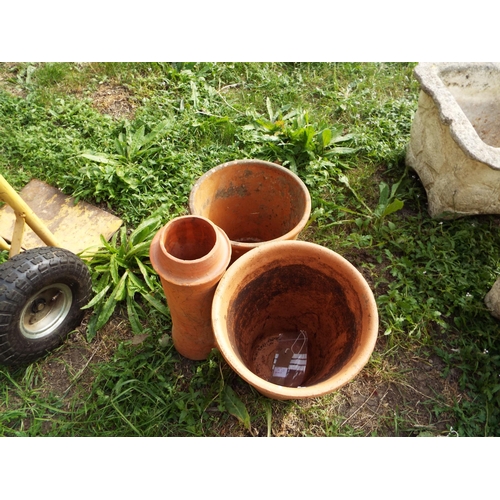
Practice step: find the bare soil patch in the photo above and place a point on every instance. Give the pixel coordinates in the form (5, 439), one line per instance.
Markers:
(114, 100)
(70, 366)
(8, 75)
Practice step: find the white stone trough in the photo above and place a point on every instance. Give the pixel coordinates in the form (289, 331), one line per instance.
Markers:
(455, 138)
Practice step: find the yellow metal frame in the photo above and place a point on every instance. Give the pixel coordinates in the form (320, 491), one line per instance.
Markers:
(24, 215)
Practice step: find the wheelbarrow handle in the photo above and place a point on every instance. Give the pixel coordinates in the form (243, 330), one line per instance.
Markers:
(24, 213)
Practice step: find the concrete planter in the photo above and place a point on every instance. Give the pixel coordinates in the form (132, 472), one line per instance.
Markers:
(455, 138)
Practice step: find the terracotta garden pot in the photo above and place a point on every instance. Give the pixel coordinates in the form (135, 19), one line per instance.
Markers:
(253, 201)
(190, 254)
(302, 291)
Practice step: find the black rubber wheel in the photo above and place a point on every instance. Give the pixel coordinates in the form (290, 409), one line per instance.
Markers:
(42, 292)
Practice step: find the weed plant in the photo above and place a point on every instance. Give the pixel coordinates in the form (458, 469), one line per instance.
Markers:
(343, 128)
(122, 272)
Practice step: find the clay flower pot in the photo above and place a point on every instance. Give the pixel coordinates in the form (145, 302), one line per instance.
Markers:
(253, 201)
(190, 254)
(295, 288)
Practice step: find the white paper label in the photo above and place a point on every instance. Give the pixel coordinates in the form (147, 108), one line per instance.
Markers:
(280, 371)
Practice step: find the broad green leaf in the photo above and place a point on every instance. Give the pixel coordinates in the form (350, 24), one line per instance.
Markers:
(121, 261)
(137, 141)
(384, 193)
(494, 389)
(298, 135)
(159, 306)
(120, 292)
(349, 211)
(91, 327)
(394, 188)
(99, 262)
(270, 126)
(113, 269)
(140, 250)
(270, 111)
(309, 138)
(106, 312)
(157, 131)
(326, 137)
(383, 199)
(131, 287)
(393, 207)
(106, 245)
(98, 158)
(271, 138)
(133, 317)
(359, 222)
(114, 239)
(97, 298)
(289, 115)
(340, 151)
(123, 247)
(146, 274)
(344, 180)
(147, 152)
(123, 235)
(119, 145)
(138, 284)
(123, 174)
(292, 164)
(235, 406)
(103, 281)
(342, 138)
(144, 230)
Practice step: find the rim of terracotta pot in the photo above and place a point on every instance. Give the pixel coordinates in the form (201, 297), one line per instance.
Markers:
(189, 272)
(249, 263)
(242, 247)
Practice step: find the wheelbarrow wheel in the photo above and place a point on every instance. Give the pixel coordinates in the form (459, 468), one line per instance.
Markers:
(42, 291)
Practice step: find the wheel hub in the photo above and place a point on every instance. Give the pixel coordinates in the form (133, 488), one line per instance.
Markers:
(38, 305)
(45, 311)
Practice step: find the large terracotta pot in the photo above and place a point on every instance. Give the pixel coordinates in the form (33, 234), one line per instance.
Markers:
(253, 201)
(295, 286)
(190, 254)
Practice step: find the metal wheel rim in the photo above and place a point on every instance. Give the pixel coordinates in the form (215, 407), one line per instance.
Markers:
(45, 311)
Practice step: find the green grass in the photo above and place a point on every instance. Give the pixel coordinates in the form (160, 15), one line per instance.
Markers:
(429, 276)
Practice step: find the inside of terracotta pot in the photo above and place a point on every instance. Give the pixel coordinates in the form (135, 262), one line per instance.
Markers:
(189, 238)
(288, 300)
(251, 202)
